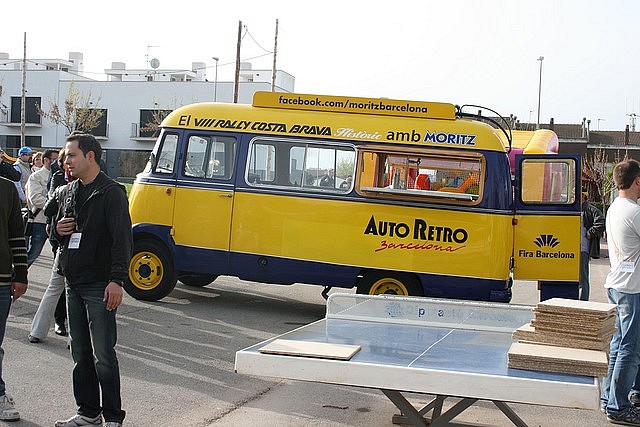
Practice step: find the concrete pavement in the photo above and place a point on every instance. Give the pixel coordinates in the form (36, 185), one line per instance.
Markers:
(177, 358)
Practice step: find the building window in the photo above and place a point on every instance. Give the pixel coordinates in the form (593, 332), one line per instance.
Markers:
(31, 110)
(150, 122)
(101, 128)
(11, 143)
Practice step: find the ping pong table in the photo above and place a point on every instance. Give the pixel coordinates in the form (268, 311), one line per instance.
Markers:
(438, 347)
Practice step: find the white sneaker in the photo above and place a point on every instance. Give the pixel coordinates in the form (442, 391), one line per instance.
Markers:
(80, 420)
(7, 409)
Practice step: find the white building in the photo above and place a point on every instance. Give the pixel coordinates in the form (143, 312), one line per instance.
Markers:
(128, 99)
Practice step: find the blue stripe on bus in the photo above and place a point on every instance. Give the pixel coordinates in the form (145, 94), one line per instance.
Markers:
(276, 270)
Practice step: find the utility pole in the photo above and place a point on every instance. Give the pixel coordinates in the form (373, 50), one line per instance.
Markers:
(235, 86)
(23, 99)
(275, 52)
(541, 58)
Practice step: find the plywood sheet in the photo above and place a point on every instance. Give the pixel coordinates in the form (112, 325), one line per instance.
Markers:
(558, 359)
(584, 329)
(570, 305)
(527, 333)
(311, 349)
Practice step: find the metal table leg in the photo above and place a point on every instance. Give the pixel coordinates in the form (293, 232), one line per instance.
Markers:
(410, 413)
(515, 419)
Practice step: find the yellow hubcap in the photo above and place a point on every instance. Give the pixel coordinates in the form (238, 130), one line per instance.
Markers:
(388, 285)
(145, 270)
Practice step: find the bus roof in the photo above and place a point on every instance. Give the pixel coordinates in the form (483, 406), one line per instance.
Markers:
(377, 120)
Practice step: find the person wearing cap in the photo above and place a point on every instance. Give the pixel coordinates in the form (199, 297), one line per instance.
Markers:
(593, 225)
(36, 191)
(23, 165)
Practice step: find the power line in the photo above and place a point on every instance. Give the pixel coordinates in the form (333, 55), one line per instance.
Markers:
(254, 40)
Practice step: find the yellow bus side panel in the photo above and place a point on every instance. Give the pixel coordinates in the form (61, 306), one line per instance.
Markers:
(547, 248)
(359, 234)
(151, 203)
(203, 218)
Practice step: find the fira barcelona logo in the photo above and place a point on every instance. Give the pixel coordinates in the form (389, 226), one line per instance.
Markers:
(546, 240)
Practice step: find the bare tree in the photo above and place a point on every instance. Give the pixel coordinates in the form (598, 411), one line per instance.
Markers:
(599, 171)
(79, 113)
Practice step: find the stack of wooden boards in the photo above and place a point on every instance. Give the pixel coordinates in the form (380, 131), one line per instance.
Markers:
(565, 336)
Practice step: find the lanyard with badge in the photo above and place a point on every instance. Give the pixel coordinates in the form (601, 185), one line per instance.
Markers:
(623, 266)
(70, 211)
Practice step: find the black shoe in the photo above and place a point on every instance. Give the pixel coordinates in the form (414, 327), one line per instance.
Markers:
(34, 340)
(634, 399)
(60, 329)
(629, 418)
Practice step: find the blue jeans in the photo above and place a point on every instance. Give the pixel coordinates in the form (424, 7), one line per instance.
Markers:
(584, 276)
(5, 305)
(36, 242)
(93, 336)
(624, 354)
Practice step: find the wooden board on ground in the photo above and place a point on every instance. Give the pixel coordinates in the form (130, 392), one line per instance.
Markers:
(311, 349)
(558, 359)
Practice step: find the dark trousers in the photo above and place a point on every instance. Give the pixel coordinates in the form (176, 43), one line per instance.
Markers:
(93, 334)
(61, 310)
(5, 305)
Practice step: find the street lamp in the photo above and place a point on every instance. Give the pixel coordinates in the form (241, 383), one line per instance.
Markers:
(215, 84)
(541, 58)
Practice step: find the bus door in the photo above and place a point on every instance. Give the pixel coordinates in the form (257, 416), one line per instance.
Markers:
(156, 185)
(204, 202)
(547, 219)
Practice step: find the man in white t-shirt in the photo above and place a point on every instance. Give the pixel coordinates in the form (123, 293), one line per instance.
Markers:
(623, 289)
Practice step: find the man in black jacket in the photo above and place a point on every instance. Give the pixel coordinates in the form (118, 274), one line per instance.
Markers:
(592, 228)
(93, 228)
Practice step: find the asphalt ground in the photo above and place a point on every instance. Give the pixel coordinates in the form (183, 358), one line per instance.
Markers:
(177, 362)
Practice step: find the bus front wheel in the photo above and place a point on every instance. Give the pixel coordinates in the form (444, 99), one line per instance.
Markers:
(151, 272)
(390, 283)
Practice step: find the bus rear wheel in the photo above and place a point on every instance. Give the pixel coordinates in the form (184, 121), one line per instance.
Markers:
(389, 283)
(151, 273)
(197, 280)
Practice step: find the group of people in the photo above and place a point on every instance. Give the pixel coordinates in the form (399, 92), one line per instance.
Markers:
(85, 215)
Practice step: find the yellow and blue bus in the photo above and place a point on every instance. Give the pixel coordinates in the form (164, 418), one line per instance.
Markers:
(387, 196)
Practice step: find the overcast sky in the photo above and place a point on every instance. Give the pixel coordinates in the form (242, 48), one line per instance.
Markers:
(462, 52)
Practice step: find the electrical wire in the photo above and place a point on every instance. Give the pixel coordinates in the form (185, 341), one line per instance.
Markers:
(254, 40)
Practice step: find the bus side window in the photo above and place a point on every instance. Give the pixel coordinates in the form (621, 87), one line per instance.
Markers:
(548, 181)
(301, 165)
(395, 174)
(165, 158)
(262, 164)
(209, 157)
